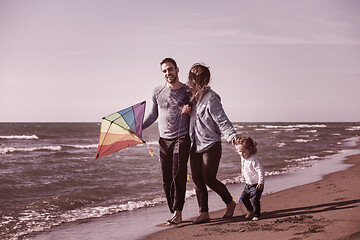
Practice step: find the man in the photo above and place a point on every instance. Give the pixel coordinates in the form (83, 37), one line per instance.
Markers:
(168, 101)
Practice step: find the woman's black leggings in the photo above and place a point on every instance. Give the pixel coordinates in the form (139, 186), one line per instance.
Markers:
(204, 168)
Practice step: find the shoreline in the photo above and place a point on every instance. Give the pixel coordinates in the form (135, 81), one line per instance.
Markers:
(315, 210)
(126, 225)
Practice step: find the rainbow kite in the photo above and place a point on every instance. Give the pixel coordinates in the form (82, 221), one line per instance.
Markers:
(121, 130)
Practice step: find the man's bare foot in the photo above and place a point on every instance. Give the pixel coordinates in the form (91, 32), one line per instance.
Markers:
(176, 219)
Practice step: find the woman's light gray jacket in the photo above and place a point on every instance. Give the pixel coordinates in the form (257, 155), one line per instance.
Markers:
(208, 120)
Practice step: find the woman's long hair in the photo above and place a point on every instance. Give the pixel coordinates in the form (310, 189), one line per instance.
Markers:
(199, 78)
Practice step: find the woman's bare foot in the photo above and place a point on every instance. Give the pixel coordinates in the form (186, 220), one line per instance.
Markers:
(203, 218)
(230, 208)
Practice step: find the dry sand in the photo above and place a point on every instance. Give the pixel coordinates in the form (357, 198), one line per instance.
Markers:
(326, 209)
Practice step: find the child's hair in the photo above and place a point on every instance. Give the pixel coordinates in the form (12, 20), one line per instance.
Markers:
(247, 142)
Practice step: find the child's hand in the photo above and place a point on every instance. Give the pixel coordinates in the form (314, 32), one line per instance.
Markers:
(260, 187)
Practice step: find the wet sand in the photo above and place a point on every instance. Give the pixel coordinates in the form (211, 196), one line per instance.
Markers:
(303, 204)
(325, 209)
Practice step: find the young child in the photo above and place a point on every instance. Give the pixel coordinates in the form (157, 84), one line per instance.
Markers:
(253, 172)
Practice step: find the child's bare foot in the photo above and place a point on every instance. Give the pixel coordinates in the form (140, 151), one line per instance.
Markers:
(250, 215)
(255, 219)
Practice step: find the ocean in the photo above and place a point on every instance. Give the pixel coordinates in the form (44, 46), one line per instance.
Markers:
(49, 175)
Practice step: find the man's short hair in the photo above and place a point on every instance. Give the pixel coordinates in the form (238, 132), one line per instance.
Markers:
(169, 60)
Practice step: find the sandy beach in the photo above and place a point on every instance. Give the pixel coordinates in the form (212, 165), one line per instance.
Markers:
(318, 202)
(325, 209)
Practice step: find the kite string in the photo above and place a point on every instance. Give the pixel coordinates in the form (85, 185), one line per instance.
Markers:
(151, 151)
(178, 161)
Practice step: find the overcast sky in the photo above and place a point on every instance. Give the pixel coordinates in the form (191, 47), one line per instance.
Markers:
(79, 60)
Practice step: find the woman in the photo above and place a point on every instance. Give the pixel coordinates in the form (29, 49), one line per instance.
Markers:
(208, 120)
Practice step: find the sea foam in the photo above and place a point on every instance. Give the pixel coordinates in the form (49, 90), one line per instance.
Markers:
(29, 149)
(25, 137)
(354, 128)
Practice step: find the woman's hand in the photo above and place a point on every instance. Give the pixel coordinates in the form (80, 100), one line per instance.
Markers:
(186, 109)
(233, 141)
